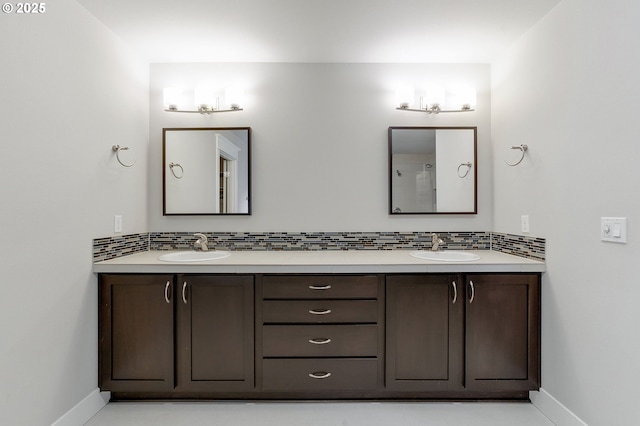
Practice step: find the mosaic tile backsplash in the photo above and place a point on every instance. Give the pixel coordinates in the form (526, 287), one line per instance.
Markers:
(320, 240)
(112, 247)
(529, 247)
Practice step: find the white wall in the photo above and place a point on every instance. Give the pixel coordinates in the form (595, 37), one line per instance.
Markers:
(319, 143)
(70, 91)
(569, 89)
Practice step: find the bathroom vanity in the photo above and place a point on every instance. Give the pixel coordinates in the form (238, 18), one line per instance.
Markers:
(319, 325)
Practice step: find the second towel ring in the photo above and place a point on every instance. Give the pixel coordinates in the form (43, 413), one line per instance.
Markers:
(468, 165)
(172, 165)
(522, 148)
(117, 149)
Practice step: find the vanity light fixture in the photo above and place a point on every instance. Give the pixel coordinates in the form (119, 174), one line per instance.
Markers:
(433, 100)
(205, 99)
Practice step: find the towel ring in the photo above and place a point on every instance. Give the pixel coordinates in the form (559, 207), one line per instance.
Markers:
(522, 148)
(172, 165)
(468, 165)
(117, 149)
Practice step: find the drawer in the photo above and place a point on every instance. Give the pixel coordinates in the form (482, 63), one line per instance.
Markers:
(320, 340)
(320, 311)
(319, 374)
(320, 287)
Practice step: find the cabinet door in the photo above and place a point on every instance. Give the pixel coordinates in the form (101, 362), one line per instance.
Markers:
(136, 332)
(503, 332)
(215, 333)
(424, 332)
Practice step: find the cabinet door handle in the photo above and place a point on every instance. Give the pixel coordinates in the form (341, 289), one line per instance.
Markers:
(455, 292)
(473, 291)
(166, 292)
(318, 341)
(319, 375)
(319, 312)
(319, 287)
(184, 291)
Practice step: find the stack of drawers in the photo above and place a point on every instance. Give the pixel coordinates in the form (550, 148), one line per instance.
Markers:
(320, 333)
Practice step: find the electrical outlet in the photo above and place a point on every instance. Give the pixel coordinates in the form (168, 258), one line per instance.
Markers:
(524, 221)
(117, 223)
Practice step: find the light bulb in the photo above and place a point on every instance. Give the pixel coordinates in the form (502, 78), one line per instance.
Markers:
(172, 97)
(204, 97)
(404, 96)
(434, 97)
(234, 97)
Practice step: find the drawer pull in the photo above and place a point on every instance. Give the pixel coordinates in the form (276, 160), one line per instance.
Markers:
(319, 311)
(319, 341)
(455, 292)
(473, 291)
(319, 287)
(184, 296)
(319, 375)
(166, 292)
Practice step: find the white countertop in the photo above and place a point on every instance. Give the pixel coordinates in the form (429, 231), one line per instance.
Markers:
(330, 261)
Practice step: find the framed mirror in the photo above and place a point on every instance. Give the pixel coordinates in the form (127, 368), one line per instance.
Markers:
(432, 170)
(206, 171)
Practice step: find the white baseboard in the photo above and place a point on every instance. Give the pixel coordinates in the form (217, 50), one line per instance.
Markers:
(84, 410)
(554, 409)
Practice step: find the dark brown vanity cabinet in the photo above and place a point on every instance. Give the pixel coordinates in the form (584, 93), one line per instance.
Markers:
(502, 332)
(425, 333)
(321, 333)
(324, 336)
(176, 333)
(136, 333)
(477, 333)
(214, 333)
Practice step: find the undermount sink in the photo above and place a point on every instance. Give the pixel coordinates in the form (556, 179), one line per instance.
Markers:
(445, 256)
(194, 256)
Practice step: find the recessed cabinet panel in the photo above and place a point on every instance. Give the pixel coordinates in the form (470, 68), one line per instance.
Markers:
(320, 340)
(424, 333)
(502, 332)
(215, 338)
(320, 311)
(320, 287)
(313, 375)
(136, 327)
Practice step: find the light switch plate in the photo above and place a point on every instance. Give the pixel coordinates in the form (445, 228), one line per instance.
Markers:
(613, 229)
(524, 221)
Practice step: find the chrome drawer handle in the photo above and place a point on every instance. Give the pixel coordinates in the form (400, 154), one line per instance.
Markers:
(455, 292)
(166, 292)
(319, 287)
(473, 291)
(319, 312)
(184, 296)
(319, 375)
(319, 341)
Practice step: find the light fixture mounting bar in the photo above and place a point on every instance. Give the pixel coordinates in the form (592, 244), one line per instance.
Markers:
(203, 111)
(429, 111)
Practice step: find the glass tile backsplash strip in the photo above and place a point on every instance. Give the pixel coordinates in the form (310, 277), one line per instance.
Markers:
(321, 240)
(519, 245)
(112, 247)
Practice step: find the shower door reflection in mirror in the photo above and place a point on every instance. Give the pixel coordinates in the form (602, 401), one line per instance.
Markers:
(432, 170)
(206, 171)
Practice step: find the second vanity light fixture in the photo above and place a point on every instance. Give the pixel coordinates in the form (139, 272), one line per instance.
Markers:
(205, 99)
(434, 99)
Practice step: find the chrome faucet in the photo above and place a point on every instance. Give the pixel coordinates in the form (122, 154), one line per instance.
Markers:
(201, 242)
(435, 242)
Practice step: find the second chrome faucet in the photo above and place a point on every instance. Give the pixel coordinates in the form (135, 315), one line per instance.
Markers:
(201, 242)
(435, 242)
